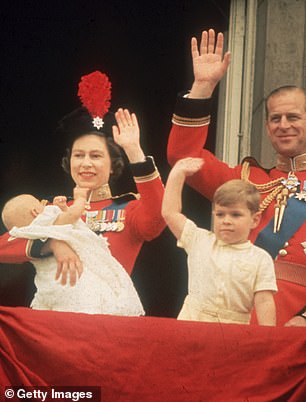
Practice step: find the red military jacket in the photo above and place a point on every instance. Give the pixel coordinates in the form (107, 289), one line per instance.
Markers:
(126, 221)
(187, 138)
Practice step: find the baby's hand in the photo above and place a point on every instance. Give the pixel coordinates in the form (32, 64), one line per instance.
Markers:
(61, 202)
(188, 166)
(79, 192)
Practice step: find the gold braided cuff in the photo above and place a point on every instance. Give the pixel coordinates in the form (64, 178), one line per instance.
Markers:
(28, 248)
(190, 121)
(148, 177)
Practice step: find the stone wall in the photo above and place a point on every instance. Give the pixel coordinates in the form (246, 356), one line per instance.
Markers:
(279, 60)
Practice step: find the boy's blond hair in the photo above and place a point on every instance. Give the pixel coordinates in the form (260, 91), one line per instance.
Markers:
(18, 211)
(236, 191)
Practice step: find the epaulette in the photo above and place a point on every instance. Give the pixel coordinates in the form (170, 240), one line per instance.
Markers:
(126, 197)
(119, 199)
(253, 162)
(273, 187)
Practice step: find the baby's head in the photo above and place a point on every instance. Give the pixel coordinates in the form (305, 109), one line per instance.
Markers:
(20, 211)
(235, 211)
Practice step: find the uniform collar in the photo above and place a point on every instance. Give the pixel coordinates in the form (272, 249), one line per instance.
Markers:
(295, 164)
(102, 193)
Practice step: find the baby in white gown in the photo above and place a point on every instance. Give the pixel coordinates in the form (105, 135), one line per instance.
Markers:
(103, 288)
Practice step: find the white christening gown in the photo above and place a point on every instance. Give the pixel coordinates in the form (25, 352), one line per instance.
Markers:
(103, 288)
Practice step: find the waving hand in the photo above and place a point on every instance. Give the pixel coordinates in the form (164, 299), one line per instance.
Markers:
(208, 65)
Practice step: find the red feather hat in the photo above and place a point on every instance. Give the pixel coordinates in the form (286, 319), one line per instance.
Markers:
(95, 94)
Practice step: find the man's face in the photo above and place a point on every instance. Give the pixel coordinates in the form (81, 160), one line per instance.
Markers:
(286, 123)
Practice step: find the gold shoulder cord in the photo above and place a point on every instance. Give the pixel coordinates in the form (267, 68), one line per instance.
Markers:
(279, 190)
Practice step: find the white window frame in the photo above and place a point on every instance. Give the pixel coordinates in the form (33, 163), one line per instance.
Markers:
(236, 90)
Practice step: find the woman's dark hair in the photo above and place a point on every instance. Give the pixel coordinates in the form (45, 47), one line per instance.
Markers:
(79, 123)
(114, 153)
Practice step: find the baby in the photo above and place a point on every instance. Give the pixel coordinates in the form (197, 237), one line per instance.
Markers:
(104, 287)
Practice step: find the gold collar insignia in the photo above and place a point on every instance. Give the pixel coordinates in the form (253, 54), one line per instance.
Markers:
(295, 164)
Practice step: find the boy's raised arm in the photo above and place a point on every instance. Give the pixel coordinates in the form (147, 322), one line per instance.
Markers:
(172, 202)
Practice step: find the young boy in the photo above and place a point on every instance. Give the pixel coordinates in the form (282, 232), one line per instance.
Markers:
(227, 274)
(104, 287)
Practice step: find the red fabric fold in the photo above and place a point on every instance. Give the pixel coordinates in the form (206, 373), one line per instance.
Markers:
(150, 358)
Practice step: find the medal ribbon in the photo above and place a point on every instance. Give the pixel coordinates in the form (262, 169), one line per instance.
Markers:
(108, 218)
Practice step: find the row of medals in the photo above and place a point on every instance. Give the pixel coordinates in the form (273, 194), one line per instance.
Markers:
(105, 220)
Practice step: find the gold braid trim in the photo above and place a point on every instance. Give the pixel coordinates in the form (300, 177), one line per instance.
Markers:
(148, 177)
(28, 248)
(263, 188)
(190, 121)
(270, 197)
(245, 171)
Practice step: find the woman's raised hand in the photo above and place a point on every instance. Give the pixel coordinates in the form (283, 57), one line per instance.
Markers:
(127, 135)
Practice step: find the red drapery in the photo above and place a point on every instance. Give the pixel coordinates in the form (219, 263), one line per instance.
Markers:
(150, 358)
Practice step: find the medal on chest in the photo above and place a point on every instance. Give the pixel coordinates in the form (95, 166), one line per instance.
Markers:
(279, 190)
(106, 220)
(301, 196)
(290, 186)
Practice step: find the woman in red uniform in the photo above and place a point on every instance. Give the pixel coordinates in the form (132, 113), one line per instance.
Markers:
(93, 159)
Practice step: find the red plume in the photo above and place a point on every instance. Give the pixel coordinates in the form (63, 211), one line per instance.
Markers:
(95, 93)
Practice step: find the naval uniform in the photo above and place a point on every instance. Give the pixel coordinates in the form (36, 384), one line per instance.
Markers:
(126, 221)
(188, 136)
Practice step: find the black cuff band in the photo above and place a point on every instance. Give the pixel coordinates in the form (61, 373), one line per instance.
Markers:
(37, 245)
(192, 108)
(143, 168)
(35, 252)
